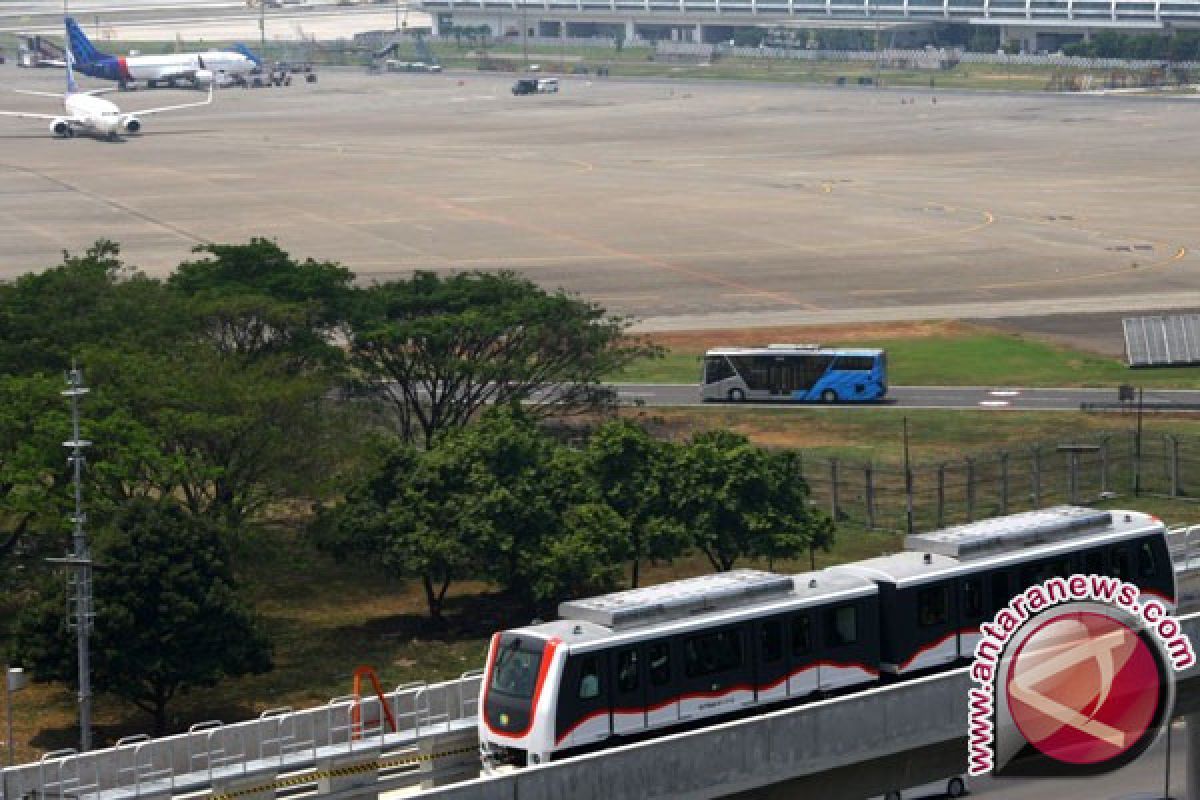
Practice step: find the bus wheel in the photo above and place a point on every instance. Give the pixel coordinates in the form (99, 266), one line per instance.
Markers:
(829, 396)
(955, 787)
(736, 395)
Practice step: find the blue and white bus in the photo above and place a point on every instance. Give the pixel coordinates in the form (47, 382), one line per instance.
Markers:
(805, 373)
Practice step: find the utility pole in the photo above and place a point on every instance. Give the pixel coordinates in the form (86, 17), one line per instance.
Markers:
(80, 615)
(524, 36)
(262, 29)
(908, 485)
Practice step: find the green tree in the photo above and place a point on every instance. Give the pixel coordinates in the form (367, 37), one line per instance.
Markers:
(635, 474)
(167, 614)
(498, 501)
(49, 317)
(741, 501)
(440, 349)
(32, 424)
(255, 300)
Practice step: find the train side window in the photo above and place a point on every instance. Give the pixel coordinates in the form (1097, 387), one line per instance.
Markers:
(972, 598)
(627, 670)
(933, 606)
(801, 635)
(1146, 565)
(1000, 590)
(712, 653)
(1122, 566)
(589, 678)
(771, 641)
(1093, 562)
(1059, 568)
(842, 626)
(659, 655)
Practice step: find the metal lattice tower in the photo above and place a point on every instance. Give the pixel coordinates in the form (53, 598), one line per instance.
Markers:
(80, 611)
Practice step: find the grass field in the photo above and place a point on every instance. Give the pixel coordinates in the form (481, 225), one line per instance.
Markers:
(953, 354)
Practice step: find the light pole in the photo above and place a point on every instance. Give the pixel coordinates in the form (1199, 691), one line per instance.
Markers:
(524, 36)
(15, 680)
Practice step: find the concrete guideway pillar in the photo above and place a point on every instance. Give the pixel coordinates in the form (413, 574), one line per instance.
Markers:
(346, 772)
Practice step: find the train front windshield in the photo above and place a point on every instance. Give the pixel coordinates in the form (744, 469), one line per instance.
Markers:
(512, 683)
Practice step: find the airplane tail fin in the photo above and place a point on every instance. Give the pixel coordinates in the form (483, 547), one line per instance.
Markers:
(72, 87)
(80, 45)
(248, 53)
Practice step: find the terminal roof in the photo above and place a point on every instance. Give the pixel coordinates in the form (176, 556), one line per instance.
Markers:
(1014, 532)
(678, 599)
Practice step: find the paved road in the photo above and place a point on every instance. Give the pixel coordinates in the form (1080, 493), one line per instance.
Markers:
(677, 394)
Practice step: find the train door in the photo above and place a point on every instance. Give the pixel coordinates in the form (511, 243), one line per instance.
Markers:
(629, 690)
(1155, 573)
(851, 648)
(771, 665)
(934, 625)
(662, 684)
(802, 636)
(972, 611)
(718, 673)
(583, 705)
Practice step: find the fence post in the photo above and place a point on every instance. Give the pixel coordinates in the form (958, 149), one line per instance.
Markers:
(1073, 477)
(834, 511)
(1035, 475)
(869, 491)
(970, 489)
(941, 496)
(1104, 467)
(1174, 463)
(1003, 482)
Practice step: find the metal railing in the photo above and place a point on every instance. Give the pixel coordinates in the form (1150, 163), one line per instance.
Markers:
(279, 739)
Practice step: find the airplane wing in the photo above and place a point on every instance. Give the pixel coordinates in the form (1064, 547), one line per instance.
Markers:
(146, 111)
(25, 115)
(55, 95)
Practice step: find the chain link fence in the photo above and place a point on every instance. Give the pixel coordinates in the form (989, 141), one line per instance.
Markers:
(1082, 470)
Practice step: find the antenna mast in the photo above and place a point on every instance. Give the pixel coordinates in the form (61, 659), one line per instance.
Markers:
(80, 614)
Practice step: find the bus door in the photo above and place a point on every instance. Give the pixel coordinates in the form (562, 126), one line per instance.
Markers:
(629, 690)
(662, 684)
(782, 376)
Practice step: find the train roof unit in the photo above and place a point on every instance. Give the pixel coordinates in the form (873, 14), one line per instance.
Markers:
(678, 599)
(991, 537)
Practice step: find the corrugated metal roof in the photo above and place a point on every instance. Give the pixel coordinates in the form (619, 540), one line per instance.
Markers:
(1163, 341)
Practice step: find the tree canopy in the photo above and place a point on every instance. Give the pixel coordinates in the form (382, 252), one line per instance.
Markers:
(439, 349)
(167, 615)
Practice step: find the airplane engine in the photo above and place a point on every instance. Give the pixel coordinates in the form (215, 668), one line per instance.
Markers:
(131, 124)
(60, 127)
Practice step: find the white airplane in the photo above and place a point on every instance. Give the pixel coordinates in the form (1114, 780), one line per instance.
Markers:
(86, 112)
(170, 68)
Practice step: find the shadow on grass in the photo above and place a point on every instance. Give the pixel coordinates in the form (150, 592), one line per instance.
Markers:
(464, 617)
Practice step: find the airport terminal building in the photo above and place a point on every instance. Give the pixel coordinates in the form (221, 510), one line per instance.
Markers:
(1034, 25)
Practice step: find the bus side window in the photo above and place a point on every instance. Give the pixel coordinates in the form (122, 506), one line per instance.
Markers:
(1093, 562)
(771, 641)
(1122, 566)
(1001, 592)
(1146, 565)
(801, 635)
(659, 655)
